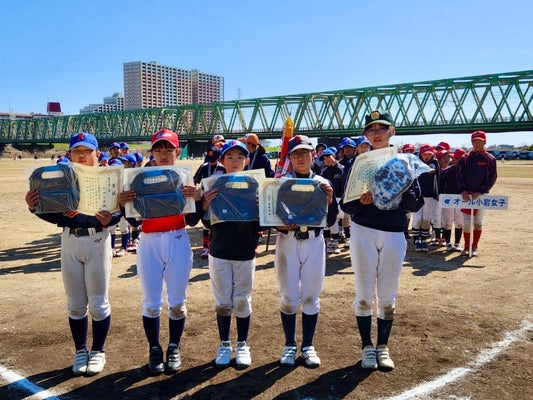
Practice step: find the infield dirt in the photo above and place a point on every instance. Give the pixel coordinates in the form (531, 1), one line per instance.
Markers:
(449, 309)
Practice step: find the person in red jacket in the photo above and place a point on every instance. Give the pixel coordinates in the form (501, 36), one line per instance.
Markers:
(476, 175)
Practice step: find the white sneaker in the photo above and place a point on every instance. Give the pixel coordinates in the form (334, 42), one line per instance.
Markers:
(80, 362)
(96, 363)
(384, 361)
(288, 356)
(242, 355)
(368, 358)
(121, 252)
(223, 354)
(311, 358)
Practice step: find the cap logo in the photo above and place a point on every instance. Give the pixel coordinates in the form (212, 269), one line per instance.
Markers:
(374, 115)
(163, 134)
(81, 137)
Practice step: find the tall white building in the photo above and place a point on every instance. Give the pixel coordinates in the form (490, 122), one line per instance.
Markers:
(115, 102)
(152, 85)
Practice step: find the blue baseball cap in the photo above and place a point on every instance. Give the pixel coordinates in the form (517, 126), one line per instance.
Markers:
(124, 145)
(328, 152)
(103, 156)
(114, 144)
(138, 157)
(361, 140)
(115, 161)
(234, 144)
(83, 139)
(128, 158)
(62, 160)
(333, 149)
(347, 142)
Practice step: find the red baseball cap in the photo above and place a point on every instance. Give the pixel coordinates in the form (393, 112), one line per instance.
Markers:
(479, 135)
(458, 153)
(168, 135)
(441, 153)
(443, 145)
(426, 148)
(408, 146)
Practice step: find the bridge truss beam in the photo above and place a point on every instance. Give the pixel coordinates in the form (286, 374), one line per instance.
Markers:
(496, 102)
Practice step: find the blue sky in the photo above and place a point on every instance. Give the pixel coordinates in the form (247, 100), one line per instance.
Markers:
(72, 52)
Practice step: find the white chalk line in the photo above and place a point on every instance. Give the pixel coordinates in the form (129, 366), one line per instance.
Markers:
(484, 357)
(20, 382)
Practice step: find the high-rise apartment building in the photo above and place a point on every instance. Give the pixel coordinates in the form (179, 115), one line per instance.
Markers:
(151, 85)
(115, 102)
(206, 88)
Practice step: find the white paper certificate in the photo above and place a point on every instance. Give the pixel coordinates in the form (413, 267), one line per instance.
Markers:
(99, 188)
(364, 170)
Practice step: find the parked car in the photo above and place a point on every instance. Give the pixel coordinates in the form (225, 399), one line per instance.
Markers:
(511, 155)
(525, 155)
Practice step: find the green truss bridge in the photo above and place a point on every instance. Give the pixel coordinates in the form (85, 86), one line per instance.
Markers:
(494, 103)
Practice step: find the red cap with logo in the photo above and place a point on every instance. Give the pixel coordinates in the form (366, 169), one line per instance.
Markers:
(458, 153)
(441, 153)
(408, 147)
(426, 148)
(443, 145)
(479, 135)
(168, 135)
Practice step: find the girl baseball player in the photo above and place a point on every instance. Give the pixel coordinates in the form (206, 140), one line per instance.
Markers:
(164, 254)
(451, 216)
(429, 182)
(377, 251)
(85, 265)
(476, 176)
(232, 267)
(300, 264)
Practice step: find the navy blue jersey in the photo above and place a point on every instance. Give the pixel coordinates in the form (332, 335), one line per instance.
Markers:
(206, 170)
(233, 240)
(334, 175)
(477, 172)
(448, 181)
(386, 220)
(317, 166)
(260, 160)
(73, 219)
(429, 181)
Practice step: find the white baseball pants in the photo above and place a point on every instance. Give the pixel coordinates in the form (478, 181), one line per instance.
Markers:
(300, 268)
(164, 257)
(377, 258)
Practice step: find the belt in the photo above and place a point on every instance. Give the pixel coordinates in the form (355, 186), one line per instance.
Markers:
(83, 231)
(299, 235)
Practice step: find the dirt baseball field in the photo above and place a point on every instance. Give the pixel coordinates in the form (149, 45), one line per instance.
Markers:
(463, 328)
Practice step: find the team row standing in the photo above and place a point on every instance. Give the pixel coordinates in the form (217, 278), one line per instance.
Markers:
(471, 175)
(164, 257)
